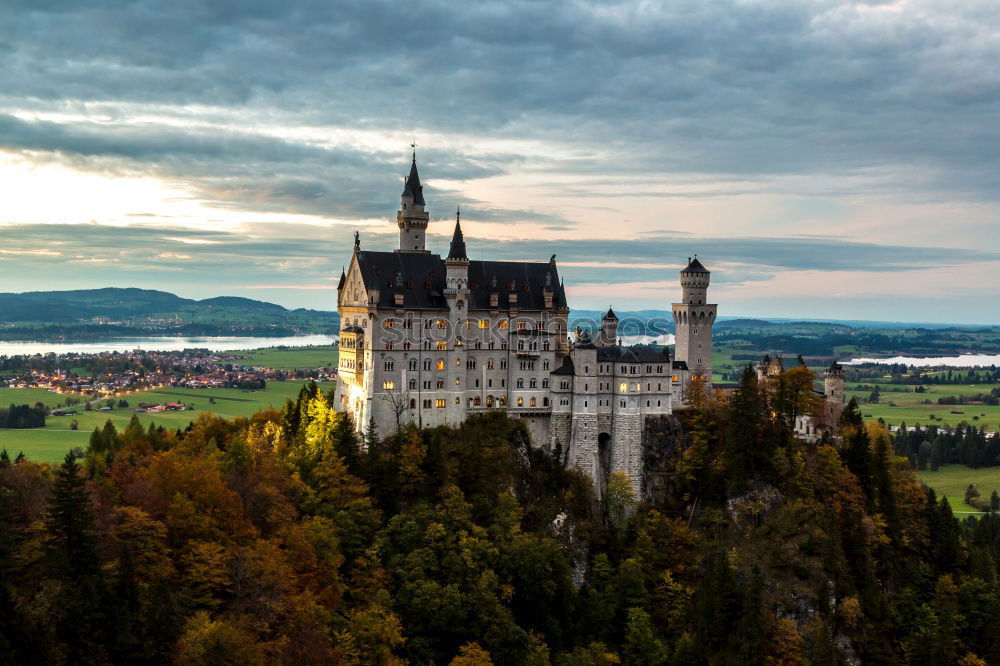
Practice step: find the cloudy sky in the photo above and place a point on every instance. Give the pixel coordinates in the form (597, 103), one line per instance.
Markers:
(825, 159)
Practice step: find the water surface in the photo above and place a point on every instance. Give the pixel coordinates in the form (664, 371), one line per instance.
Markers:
(164, 343)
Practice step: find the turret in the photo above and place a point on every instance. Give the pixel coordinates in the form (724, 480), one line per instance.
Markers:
(457, 263)
(833, 383)
(609, 329)
(411, 218)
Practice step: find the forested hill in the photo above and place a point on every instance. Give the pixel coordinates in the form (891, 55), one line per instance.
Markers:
(287, 539)
(113, 311)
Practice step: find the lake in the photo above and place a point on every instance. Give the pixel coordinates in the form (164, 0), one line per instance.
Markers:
(165, 343)
(963, 361)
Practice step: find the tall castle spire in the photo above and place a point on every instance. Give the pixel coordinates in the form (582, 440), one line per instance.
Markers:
(411, 218)
(457, 249)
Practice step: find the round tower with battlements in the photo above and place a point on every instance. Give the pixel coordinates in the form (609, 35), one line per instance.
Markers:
(833, 383)
(694, 317)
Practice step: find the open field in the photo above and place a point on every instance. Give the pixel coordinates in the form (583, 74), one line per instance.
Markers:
(952, 480)
(53, 441)
(908, 405)
(293, 358)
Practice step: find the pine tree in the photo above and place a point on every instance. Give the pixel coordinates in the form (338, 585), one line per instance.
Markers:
(71, 555)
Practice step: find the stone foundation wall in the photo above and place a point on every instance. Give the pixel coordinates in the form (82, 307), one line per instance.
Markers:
(561, 432)
(538, 428)
(626, 452)
(583, 446)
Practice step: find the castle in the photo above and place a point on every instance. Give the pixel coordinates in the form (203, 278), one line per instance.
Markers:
(431, 340)
(811, 428)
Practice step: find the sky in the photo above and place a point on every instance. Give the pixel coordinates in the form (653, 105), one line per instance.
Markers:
(824, 159)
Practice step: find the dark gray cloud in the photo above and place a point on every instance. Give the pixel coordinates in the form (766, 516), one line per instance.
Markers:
(687, 86)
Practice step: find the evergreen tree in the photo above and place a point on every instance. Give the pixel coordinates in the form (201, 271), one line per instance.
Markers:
(71, 556)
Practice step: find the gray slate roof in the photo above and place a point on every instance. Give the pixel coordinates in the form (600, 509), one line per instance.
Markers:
(413, 187)
(423, 279)
(694, 266)
(637, 354)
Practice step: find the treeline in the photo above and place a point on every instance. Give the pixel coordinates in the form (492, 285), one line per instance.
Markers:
(902, 374)
(930, 447)
(287, 538)
(23, 416)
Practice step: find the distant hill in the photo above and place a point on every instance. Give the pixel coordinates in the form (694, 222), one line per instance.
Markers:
(131, 311)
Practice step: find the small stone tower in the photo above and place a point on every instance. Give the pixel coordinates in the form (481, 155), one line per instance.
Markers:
(694, 317)
(411, 217)
(609, 330)
(833, 383)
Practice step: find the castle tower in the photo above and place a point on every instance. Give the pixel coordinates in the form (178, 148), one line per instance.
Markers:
(412, 218)
(694, 317)
(609, 330)
(457, 263)
(833, 383)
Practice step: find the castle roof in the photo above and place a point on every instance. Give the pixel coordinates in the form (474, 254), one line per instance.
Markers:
(694, 266)
(611, 315)
(567, 367)
(413, 188)
(636, 354)
(457, 249)
(343, 279)
(423, 277)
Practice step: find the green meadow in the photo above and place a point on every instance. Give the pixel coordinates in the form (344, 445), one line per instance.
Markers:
(292, 358)
(952, 480)
(908, 407)
(53, 441)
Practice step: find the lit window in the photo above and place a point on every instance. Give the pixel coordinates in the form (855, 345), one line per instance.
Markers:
(533, 402)
(441, 323)
(522, 325)
(623, 387)
(440, 364)
(439, 402)
(389, 323)
(503, 400)
(502, 324)
(484, 323)
(520, 402)
(441, 345)
(388, 386)
(675, 378)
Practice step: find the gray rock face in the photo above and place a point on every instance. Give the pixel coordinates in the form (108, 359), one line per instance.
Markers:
(663, 439)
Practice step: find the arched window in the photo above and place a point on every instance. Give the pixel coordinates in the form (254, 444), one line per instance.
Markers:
(413, 364)
(503, 400)
(440, 364)
(413, 403)
(520, 382)
(476, 401)
(489, 401)
(533, 383)
(545, 402)
(520, 402)
(427, 364)
(533, 402)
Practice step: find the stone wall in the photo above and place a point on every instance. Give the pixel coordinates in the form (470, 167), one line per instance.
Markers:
(560, 432)
(583, 446)
(626, 453)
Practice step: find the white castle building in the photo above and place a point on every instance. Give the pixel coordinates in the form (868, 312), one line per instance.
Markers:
(431, 340)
